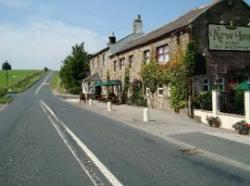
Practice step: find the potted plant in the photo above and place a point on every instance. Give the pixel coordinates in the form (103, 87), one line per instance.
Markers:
(214, 121)
(242, 127)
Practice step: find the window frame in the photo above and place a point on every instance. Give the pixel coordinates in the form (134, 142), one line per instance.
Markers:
(130, 61)
(160, 89)
(206, 84)
(221, 84)
(146, 56)
(115, 65)
(103, 59)
(165, 52)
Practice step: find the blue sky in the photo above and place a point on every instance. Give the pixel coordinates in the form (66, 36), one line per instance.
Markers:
(35, 34)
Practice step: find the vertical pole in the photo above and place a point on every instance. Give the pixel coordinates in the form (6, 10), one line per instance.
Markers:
(109, 106)
(90, 102)
(215, 102)
(247, 106)
(7, 78)
(145, 115)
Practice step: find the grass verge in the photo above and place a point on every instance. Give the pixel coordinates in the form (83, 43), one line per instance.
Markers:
(20, 86)
(56, 85)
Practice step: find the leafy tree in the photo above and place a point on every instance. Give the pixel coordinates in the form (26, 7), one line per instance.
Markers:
(6, 67)
(151, 76)
(75, 68)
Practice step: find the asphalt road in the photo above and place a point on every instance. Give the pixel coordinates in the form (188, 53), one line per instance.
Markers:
(55, 143)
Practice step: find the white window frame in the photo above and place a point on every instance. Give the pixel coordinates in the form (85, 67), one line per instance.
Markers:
(146, 56)
(160, 88)
(163, 54)
(221, 83)
(205, 84)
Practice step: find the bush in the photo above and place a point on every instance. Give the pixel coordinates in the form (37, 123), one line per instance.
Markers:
(138, 100)
(242, 127)
(204, 101)
(214, 122)
(137, 97)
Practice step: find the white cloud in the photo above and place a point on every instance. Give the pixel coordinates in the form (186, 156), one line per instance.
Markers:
(44, 43)
(16, 3)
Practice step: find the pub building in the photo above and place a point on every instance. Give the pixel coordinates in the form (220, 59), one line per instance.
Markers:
(221, 30)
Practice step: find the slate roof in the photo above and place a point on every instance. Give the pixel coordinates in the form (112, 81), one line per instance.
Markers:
(181, 22)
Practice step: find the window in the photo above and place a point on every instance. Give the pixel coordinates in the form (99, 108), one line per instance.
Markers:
(206, 86)
(115, 63)
(98, 62)
(221, 84)
(163, 54)
(121, 63)
(103, 59)
(130, 61)
(146, 56)
(160, 90)
(178, 41)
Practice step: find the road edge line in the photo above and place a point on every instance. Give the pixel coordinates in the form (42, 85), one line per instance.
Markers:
(102, 168)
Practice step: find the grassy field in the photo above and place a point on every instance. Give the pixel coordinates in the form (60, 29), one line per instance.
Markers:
(55, 84)
(19, 81)
(14, 76)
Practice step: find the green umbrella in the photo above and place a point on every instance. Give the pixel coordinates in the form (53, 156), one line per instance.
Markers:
(107, 83)
(242, 86)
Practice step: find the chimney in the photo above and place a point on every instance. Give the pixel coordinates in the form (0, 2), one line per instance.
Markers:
(138, 25)
(112, 39)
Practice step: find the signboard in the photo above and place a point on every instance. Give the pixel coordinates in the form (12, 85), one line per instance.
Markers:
(222, 37)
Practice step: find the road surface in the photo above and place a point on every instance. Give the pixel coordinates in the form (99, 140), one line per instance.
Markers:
(46, 141)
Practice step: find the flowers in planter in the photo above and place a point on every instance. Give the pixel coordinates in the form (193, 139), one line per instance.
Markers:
(214, 121)
(242, 127)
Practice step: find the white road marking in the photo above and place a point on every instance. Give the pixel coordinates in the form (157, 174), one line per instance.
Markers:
(69, 147)
(43, 83)
(102, 168)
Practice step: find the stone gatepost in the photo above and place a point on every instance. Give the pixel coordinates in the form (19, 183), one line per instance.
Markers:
(215, 102)
(247, 106)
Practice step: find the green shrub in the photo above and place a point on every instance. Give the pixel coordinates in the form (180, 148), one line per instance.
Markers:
(204, 101)
(137, 97)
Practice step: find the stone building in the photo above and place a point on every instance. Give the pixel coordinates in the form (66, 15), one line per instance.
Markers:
(221, 30)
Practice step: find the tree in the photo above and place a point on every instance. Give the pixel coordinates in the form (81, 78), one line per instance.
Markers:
(75, 68)
(151, 77)
(6, 67)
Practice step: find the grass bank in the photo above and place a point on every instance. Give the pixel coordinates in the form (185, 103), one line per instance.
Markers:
(56, 85)
(28, 79)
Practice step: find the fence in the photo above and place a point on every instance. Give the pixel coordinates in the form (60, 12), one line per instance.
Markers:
(232, 102)
(227, 109)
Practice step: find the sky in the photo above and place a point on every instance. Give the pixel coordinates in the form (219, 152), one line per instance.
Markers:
(39, 33)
